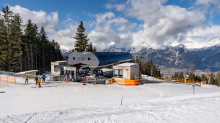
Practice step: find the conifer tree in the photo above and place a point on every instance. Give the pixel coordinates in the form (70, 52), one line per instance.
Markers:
(217, 77)
(18, 50)
(90, 48)
(3, 46)
(7, 15)
(94, 49)
(16, 42)
(151, 68)
(204, 78)
(147, 68)
(36, 45)
(28, 42)
(81, 39)
(43, 41)
(181, 76)
(212, 80)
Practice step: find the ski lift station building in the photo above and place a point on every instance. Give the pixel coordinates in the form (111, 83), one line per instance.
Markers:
(95, 60)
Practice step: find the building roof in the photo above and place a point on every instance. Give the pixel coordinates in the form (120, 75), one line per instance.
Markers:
(112, 57)
(127, 64)
(61, 61)
(25, 72)
(97, 59)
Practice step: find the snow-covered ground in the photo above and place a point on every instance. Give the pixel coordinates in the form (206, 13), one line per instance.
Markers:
(71, 102)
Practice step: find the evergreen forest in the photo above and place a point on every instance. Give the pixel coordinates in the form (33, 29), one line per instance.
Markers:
(25, 47)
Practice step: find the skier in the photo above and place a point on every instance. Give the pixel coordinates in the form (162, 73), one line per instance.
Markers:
(66, 78)
(39, 81)
(36, 79)
(43, 77)
(26, 78)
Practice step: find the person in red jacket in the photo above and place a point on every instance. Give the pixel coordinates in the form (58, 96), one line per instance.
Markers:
(85, 80)
(66, 78)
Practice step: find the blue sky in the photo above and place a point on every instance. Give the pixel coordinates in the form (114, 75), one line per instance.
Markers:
(126, 23)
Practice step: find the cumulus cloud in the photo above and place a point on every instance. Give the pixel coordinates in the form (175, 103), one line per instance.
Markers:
(118, 7)
(165, 24)
(160, 25)
(101, 18)
(41, 18)
(65, 37)
(104, 35)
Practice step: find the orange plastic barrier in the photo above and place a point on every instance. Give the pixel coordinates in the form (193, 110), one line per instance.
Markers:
(11, 80)
(4, 78)
(0, 78)
(129, 82)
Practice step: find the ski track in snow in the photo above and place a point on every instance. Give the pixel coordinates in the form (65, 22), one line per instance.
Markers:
(70, 102)
(188, 110)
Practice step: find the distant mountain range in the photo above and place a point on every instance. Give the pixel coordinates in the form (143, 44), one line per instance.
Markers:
(179, 57)
(176, 57)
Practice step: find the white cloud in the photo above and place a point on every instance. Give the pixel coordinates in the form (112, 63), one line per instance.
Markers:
(211, 7)
(41, 18)
(118, 7)
(194, 43)
(101, 18)
(162, 24)
(104, 35)
(205, 31)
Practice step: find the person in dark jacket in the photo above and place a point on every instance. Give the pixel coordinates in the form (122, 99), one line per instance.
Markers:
(36, 79)
(43, 77)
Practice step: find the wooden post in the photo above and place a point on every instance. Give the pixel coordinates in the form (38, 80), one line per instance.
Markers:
(121, 100)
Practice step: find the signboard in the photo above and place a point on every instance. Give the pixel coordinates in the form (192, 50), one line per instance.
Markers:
(70, 68)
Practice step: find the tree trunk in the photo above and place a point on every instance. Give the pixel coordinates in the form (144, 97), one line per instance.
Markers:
(31, 59)
(43, 60)
(36, 59)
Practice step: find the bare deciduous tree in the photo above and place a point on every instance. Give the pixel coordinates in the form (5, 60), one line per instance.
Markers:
(192, 68)
(207, 73)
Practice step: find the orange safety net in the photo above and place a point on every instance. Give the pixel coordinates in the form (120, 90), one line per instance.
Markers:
(11, 80)
(4, 78)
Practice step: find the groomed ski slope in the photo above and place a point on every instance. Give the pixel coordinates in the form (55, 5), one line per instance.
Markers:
(73, 102)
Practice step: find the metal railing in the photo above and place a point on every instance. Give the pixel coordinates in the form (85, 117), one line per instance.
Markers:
(7, 73)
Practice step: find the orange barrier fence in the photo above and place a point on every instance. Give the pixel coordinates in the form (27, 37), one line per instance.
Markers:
(126, 82)
(11, 80)
(4, 78)
(109, 82)
(7, 79)
(129, 82)
(137, 80)
(173, 80)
